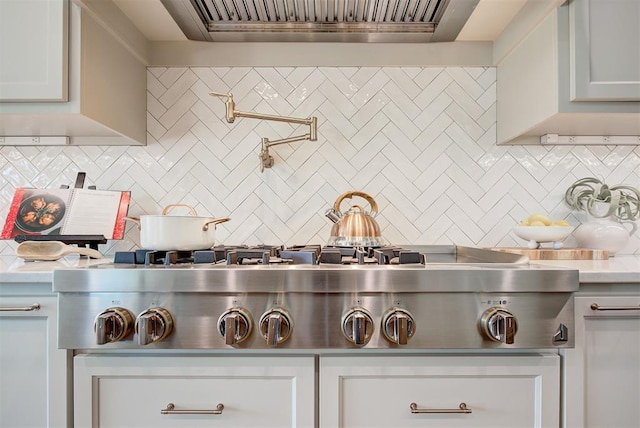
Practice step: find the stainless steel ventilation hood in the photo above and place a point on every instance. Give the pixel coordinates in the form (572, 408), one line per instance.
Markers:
(396, 21)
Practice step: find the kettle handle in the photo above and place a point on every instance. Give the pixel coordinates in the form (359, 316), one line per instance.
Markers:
(350, 194)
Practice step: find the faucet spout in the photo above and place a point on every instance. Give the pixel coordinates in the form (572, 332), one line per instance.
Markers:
(266, 160)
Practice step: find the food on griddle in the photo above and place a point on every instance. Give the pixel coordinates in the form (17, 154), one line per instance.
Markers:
(30, 217)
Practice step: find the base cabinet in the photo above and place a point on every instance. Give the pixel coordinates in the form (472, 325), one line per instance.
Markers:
(602, 372)
(354, 391)
(33, 372)
(137, 391)
(500, 391)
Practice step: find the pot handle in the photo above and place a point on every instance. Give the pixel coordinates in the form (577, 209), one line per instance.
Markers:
(136, 220)
(350, 194)
(214, 221)
(169, 207)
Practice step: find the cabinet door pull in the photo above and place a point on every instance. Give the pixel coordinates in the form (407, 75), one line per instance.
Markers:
(171, 410)
(462, 408)
(596, 307)
(34, 307)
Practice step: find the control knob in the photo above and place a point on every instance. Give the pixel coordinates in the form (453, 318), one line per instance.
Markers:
(276, 326)
(153, 325)
(113, 325)
(235, 325)
(499, 325)
(398, 326)
(357, 326)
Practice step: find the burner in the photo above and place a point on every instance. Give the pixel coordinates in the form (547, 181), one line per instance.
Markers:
(394, 255)
(153, 257)
(370, 255)
(302, 254)
(260, 254)
(161, 257)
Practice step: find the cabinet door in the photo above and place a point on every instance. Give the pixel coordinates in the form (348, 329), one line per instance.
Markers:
(33, 48)
(603, 370)
(112, 391)
(33, 372)
(510, 391)
(605, 50)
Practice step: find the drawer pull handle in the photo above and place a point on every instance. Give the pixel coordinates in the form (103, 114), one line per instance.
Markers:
(34, 307)
(171, 410)
(596, 307)
(462, 408)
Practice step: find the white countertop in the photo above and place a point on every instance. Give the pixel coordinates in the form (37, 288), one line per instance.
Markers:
(619, 269)
(15, 270)
(616, 269)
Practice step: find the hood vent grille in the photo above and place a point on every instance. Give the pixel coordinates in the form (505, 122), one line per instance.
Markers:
(320, 20)
(321, 12)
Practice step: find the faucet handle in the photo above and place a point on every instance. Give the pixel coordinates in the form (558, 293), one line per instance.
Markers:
(231, 105)
(221, 95)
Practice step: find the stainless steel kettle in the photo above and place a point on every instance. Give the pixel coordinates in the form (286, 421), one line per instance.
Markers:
(354, 227)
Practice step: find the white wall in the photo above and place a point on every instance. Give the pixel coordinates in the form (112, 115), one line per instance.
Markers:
(422, 141)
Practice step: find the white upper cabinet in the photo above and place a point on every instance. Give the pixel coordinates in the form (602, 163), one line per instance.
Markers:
(575, 74)
(33, 50)
(605, 50)
(106, 67)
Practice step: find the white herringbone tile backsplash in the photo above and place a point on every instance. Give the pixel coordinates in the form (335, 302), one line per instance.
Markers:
(422, 141)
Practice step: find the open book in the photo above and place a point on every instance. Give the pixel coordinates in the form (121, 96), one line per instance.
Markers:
(67, 212)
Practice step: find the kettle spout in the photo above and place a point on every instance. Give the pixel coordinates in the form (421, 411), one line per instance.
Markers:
(333, 215)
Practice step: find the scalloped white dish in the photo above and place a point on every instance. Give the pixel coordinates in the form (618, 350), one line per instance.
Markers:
(537, 234)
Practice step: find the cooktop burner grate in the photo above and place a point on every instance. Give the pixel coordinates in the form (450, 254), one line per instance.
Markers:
(274, 254)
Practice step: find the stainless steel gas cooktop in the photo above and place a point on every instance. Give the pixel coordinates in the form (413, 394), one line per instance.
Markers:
(318, 298)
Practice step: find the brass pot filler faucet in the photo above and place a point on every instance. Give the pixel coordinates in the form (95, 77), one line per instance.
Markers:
(266, 160)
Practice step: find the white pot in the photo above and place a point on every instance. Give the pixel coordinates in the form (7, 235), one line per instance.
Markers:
(602, 234)
(172, 232)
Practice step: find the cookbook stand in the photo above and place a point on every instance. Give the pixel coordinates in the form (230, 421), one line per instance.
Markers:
(80, 240)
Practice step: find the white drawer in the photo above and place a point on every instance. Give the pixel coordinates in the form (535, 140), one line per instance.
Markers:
(254, 391)
(511, 391)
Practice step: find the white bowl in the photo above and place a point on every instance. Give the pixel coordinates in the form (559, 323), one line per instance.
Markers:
(537, 234)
